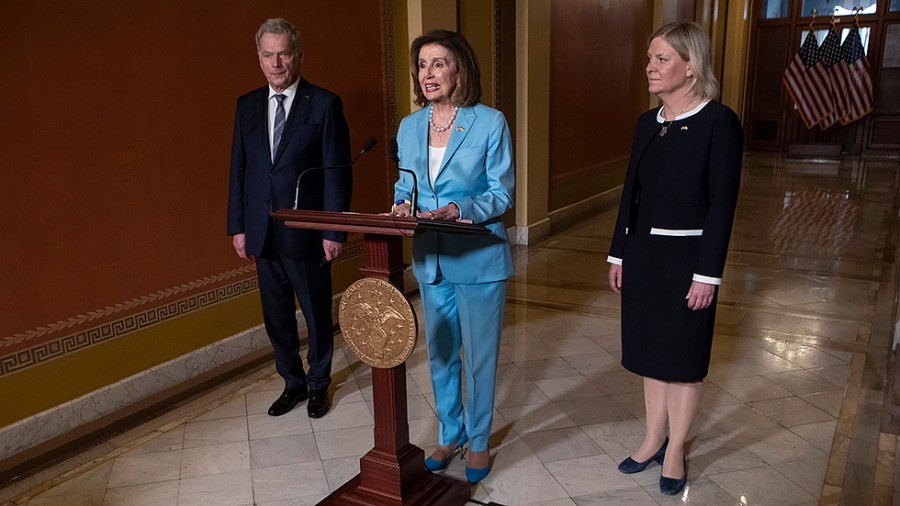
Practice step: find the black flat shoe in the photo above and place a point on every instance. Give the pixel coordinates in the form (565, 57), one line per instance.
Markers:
(287, 401)
(631, 466)
(318, 403)
(671, 486)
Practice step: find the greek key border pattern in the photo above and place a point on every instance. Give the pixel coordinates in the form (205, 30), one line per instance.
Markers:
(123, 306)
(64, 345)
(354, 247)
(389, 88)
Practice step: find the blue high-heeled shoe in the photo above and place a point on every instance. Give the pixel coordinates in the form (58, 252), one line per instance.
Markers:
(671, 486)
(476, 474)
(432, 465)
(631, 466)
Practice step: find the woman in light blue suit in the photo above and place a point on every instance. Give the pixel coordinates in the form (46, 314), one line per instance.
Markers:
(461, 155)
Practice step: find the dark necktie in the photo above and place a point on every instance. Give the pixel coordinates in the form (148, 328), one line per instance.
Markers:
(279, 124)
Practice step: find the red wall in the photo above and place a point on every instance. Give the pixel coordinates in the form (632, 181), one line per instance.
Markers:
(597, 83)
(115, 127)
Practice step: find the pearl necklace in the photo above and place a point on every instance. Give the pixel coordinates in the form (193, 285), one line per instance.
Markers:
(665, 127)
(445, 127)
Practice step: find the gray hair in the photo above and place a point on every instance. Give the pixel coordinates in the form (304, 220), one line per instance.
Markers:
(278, 26)
(690, 41)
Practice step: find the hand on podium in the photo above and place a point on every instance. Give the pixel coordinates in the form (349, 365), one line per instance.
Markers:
(402, 210)
(450, 212)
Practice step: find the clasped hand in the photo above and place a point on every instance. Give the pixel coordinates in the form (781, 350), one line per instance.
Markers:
(447, 213)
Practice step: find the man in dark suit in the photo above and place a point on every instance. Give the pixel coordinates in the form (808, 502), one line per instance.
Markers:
(287, 130)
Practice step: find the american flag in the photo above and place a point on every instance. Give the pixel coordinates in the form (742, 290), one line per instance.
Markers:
(859, 94)
(830, 54)
(807, 83)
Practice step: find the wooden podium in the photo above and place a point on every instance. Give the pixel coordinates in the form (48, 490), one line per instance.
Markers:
(393, 472)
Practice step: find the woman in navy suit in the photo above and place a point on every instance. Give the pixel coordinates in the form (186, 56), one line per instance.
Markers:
(670, 242)
(461, 155)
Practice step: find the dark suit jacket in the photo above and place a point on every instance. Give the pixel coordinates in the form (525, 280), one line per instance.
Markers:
(315, 135)
(698, 183)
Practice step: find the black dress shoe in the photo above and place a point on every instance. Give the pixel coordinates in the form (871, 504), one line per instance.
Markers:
(287, 401)
(631, 466)
(318, 403)
(671, 486)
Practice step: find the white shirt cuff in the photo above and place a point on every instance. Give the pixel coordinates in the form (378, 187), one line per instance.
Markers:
(708, 280)
(614, 260)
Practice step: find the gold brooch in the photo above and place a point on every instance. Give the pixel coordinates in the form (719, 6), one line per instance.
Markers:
(459, 129)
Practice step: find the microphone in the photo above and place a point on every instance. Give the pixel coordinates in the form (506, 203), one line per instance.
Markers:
(414, 197)
(366, 147)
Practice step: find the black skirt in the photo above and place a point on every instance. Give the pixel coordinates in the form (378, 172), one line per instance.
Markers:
(661, 337)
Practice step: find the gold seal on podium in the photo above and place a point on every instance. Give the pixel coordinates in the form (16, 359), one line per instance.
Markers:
(377, 323)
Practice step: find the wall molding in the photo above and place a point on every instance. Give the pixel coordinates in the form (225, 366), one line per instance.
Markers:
(15, 357)
(574, 213)
(566, 216)
(526, 235)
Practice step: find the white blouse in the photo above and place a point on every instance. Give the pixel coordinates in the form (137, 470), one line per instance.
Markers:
(435, 158)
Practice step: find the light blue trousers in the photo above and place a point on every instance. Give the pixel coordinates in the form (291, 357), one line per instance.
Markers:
(471, 317)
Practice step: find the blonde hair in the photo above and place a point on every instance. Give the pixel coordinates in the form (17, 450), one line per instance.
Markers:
(690, 41)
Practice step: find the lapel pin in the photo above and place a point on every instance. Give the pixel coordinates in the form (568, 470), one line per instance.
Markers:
(684, 128)
(459, 129)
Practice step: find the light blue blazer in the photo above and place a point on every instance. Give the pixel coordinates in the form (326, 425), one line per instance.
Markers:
(478, 175)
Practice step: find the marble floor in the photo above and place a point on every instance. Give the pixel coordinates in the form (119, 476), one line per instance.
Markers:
(795, 410)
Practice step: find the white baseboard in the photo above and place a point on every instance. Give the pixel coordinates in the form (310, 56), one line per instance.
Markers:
(563, 217)
(65, 418)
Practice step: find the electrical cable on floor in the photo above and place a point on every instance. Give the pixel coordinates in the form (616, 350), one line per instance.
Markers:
(476, 501)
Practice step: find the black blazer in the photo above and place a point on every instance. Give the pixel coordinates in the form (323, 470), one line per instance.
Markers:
(315, 135)
(698, 184)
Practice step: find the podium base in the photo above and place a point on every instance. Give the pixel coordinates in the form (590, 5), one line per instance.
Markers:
(431, 490)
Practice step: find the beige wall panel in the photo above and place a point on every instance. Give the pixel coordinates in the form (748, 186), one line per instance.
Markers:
(476, 24)
(533, 110)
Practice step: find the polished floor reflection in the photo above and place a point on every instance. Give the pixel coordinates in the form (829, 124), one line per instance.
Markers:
(795, 410)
